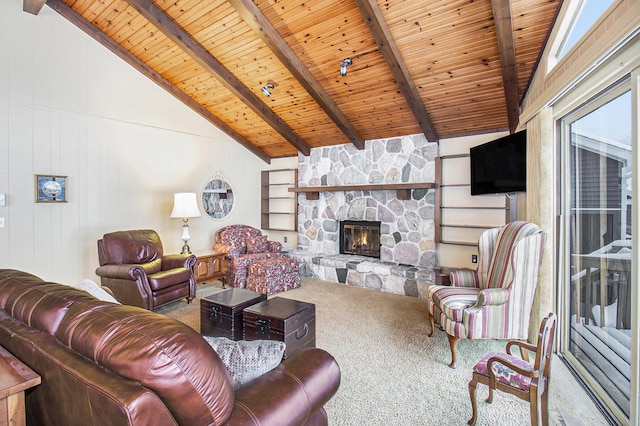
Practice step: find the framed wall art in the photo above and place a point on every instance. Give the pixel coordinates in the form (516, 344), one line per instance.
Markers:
(51, 189)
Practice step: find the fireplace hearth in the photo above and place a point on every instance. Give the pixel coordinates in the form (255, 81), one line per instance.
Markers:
(360, 237)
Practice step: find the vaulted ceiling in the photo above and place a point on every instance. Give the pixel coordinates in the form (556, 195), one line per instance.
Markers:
(440, 67)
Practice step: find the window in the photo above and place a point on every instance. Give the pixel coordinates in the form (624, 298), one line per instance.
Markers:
(580, 17)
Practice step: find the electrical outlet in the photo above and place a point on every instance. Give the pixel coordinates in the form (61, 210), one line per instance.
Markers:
(1, 222)
(474, 258)
(285, 239)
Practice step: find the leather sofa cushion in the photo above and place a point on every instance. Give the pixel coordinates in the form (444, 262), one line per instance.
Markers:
(164, 279)
(137, 246)
(169, 358)
(42, 305)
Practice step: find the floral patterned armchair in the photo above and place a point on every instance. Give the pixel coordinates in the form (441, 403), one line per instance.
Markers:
(243, 244)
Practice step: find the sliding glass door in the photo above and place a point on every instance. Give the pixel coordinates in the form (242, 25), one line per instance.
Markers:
(597, 188)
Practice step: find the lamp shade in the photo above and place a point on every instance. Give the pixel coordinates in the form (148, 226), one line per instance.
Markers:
(185, 205)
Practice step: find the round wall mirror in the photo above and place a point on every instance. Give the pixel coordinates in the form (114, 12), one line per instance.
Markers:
(217, 197)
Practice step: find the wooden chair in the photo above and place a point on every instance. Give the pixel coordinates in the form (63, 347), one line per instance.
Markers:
(508, 373)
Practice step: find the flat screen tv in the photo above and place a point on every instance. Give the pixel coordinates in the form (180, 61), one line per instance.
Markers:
(500, 166)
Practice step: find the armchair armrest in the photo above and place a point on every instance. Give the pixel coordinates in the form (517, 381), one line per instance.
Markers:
(289, 394)
(464, 278)
(492, 297)
(524, 347)
(122, 271)
(274, 246)
(171, 261)
(222, 248)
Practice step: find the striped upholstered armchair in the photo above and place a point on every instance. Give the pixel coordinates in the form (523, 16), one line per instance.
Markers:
(495, 301)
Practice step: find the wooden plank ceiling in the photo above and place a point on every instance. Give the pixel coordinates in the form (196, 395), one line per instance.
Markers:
(439, 67)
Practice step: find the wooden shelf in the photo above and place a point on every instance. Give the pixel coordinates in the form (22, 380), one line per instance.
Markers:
(443, 225)
(509, 207)
(459, 243)
(474, 208)
(403, 190)
(284, 179)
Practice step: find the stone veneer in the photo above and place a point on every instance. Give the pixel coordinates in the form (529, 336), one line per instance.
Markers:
(407, 253)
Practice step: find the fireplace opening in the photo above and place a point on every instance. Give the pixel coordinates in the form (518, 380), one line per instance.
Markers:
(360, 237)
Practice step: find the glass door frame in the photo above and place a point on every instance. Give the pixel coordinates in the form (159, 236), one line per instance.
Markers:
(629, 82)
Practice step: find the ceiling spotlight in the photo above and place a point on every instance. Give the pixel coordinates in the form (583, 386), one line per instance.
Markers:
(343, 66)
(267, 89)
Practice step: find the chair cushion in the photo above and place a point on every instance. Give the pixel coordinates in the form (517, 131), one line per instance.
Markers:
(247, 360)
(273, 266)
(95, 290)
(503, 373)
(234, 237)
(452, 301)
(257, 244)
(164, 279)
(501, 269)
(135, 247)
(242, 262)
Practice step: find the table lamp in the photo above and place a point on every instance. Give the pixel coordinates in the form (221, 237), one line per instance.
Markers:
(184, 207)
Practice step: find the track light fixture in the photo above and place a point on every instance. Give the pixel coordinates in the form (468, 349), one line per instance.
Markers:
(267, 89)
(343, 66)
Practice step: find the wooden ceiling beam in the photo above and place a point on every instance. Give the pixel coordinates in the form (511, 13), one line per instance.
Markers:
(382, 35)
(270, 36)
(508, 64)
(75, 18)
(199, 54)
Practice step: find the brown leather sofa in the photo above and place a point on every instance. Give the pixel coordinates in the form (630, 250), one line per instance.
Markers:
(133, 266)
(107, 364)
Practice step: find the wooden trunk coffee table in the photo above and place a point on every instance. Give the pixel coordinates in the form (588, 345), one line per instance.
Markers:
(289, 321)
(221, 313)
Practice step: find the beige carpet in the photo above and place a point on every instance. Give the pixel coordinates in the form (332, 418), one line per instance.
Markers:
(394, 374)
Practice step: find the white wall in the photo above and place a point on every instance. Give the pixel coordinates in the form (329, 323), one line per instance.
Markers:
(480, 211)
(70, 107)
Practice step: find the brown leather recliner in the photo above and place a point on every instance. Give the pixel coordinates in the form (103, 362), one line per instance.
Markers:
(133, 266)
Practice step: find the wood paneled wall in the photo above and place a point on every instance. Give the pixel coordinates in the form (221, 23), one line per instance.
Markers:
(69, 107)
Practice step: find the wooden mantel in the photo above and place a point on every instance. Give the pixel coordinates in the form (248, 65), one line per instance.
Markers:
(403, 190)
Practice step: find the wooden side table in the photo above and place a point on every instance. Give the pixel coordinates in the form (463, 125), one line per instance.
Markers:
(15, 378)
(442, 275)
(210, 266)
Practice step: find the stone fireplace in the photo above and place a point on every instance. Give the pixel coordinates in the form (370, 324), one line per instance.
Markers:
(360, 237)
(407, 246)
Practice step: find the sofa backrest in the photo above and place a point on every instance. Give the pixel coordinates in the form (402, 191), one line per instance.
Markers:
(161, 354)
(130, 247)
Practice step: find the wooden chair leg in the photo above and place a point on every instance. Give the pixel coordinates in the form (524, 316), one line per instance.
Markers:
(453, 344)
(431, 323)
(545, 407)
(535, 405)
(474, 406)
(489, 399)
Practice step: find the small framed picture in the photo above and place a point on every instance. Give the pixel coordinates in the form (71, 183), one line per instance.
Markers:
(51, 189)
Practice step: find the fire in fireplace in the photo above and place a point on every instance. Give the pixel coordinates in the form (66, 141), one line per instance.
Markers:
(360, 237)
